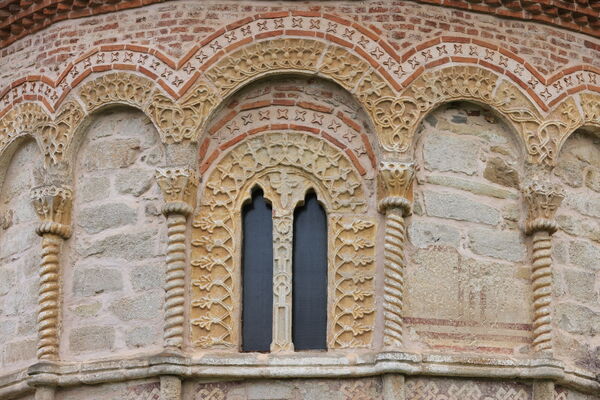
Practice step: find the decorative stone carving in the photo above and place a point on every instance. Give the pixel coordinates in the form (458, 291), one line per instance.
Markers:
(57, 134)
(395, 193)
(261, 57)
(285, 165)
(543, 199)
(178, 121)
(352, 252)
(179, 187)
(283, 227)
(53, 206)
(119, 87)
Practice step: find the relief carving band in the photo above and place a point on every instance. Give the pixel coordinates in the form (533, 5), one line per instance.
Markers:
(395, 193)
(543, 199)
(53, 206)
(285, 166)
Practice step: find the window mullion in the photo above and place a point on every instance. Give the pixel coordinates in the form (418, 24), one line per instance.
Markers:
(283, 223)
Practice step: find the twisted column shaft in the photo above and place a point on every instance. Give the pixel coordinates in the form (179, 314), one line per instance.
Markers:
(394, 183)
(175, 280)
(49, 298)
(543, 199)
(541, 278)
(395, 263)
(53, 205)
(178, 186)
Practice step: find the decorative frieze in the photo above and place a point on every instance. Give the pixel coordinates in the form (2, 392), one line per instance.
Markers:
(395, 193)
(543, 199)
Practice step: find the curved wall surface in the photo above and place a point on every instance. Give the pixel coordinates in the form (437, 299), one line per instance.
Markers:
(454, 149)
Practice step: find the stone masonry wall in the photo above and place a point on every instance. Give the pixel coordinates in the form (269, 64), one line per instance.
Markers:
(114, 276)
(577, 253)
(467, 278)
(19, 260)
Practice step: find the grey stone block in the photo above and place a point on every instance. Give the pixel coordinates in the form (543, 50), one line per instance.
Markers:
(458, 207)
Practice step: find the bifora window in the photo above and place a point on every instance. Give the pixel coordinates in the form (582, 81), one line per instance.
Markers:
(271, 241)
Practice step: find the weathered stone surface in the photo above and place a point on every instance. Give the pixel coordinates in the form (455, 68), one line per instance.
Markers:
(123, 245)
(449, 153)
(268, 391)
(424, 234)
(117, 153)
(579, 226)
(145, 306)
(472, 186)
(93, 281)
(592, 178)
(585, 255)
(499, 171)
(578, 319)
(586, 203)
(134, 181)
(20, 351)
(506, 245)
(90, 338)
(95, 219)
(147, 276)
(459, 207)
(94, 188)
(142, 336)
(87, 310)
(581, 286)
(7, 279)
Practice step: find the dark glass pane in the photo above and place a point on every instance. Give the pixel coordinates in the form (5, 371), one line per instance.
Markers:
(309, 321)
(257, 271)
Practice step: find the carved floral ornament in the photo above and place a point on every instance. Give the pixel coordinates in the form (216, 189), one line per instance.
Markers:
(395, 91)
(285, 166)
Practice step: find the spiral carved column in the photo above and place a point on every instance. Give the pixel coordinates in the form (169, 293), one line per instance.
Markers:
(179, 190)
(53, 206)
(395, 193)
(543, 199)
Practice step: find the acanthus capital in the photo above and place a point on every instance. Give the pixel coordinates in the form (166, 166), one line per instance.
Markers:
(53, 204)
(179, 186)
(395, 185)
(543, 199)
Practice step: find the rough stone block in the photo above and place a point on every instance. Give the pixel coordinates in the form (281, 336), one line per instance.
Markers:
(268, 391)
(577, 319)
(585, 255)
(93, 188)
(20, 351)
(115, 153)
(134, 181)
(506, 245)
(459, 207)
(449, 153)
(91, 338)
(145, 306)
(134, 245)
(472, 186)
(424, 234)
(148, 276)
(142, 336)
(95, 219)
(93, 281)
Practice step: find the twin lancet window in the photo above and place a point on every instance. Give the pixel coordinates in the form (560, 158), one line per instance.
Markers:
(284, 275)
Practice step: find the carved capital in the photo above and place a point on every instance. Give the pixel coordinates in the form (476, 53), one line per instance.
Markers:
(178, 186)
(394, 185)
(543, 199)
(53, 205)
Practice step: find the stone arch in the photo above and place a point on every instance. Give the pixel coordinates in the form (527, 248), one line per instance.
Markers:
(20, 252)
(590, 117)
(285, 165)
(308, 57)
(116, 217)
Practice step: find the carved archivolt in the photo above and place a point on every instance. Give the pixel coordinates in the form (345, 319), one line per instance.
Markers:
(396, 91)
(285, 166)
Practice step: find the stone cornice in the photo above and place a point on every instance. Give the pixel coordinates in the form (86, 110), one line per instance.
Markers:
(339, 365)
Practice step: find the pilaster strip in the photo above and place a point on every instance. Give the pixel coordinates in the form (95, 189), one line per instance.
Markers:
(395, 191)
(53, 206)
(543, 199)
(282, 282)
(178, 186)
